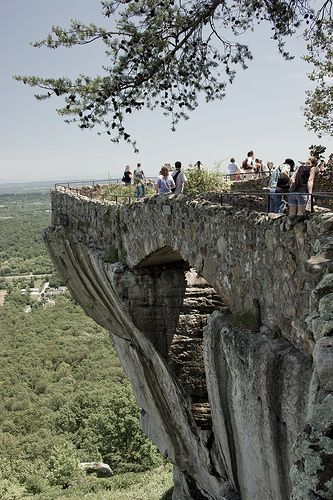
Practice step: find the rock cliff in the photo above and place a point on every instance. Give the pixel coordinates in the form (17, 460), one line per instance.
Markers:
(222, 317)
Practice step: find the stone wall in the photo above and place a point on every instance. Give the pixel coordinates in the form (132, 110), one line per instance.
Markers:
(126, 266)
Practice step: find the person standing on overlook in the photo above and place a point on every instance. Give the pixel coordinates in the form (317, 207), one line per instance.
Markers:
(301, 186)
(178, 178)
(127, 177)
(270, 166)
(259, 167)
(248, 163)
(139, 187)
(279, 182)
(165, 182)
(234, 169)
(139, 172)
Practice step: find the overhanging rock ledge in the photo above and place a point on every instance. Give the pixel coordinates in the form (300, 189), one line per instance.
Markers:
(223, 321)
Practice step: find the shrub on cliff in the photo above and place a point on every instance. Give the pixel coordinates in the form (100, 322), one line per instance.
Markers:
(204, 181)
(123, 194)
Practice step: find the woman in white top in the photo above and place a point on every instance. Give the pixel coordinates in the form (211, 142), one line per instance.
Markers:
(234, 170)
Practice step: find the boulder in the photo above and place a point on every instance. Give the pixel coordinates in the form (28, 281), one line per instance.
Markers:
(98, 468)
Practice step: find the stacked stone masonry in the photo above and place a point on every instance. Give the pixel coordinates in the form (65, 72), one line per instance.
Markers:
(234, 373)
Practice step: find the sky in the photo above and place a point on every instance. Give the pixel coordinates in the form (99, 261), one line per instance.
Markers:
(262, 109)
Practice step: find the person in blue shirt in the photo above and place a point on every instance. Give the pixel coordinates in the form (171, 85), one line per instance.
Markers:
(165, 182)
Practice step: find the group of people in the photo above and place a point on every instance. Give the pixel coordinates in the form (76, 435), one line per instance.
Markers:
(292, 185)
(168, 181)
(249, 165)
(287, 184)
(139, 180)
(171, 182)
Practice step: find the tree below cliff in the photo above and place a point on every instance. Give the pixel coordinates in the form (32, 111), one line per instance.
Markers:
(165, 53)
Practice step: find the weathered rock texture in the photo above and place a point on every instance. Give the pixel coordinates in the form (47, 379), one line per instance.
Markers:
(233, 407)
(98, 468)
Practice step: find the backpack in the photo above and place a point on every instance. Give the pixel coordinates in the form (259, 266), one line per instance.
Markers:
(278, 181)
(282, 182)
(174, 180)
(245, 165)
(139, 173)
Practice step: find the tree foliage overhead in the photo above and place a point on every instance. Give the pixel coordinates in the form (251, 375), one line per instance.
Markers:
(166, 53)
(319, 101)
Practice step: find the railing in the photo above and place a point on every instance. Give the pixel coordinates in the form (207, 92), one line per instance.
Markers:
(89, 182)
(267, 194)
(255, 175)
(241, 176)
(91, 188)
(92, 191)
(86, 183)
(237, 177)
(94, 182)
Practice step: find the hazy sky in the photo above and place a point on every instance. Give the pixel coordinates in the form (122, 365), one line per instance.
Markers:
(262, 109)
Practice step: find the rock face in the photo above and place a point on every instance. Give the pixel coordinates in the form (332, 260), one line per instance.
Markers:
(220, 359)
(185, 357)
(257, 407)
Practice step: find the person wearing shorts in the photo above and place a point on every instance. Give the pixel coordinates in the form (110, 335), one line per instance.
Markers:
(301, 186)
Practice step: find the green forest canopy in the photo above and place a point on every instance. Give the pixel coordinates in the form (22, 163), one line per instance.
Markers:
(23, 217)
(165, 53)
(64, 397)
